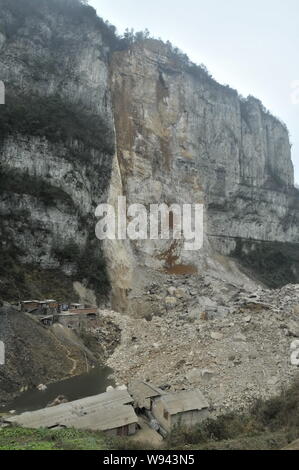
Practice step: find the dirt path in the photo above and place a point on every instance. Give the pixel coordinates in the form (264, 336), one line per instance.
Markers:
(68, 353)
(74, 361)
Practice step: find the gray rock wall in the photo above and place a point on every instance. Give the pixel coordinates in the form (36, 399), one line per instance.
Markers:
(53, 180)
(180, 137)
(183, 138)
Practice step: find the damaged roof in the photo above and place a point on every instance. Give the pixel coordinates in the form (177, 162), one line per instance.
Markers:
(103, 412)
(184, 401)
(142, 392)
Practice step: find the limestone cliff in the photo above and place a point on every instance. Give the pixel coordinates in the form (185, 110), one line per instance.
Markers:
(57, 143)
(90, 117)
(183, 138)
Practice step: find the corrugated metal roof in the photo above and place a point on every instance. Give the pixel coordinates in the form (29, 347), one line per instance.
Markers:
(143, 390)
(106, 419)
(184, 401)
(102, 412)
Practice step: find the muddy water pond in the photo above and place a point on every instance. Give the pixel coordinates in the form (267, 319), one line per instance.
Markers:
(92, 383)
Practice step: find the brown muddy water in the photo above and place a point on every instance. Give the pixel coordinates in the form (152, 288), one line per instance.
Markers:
(92, 383)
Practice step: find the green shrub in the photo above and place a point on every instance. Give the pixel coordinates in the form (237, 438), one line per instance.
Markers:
(92, 268)
(223, 428)
(91, 265)
(280, 412)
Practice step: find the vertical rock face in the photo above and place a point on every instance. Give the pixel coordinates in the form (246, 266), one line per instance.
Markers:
(180, 137)
(57, 139)
(183, 138)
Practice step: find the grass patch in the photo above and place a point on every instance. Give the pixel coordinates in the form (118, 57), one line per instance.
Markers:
(42, 439)
(20, 281)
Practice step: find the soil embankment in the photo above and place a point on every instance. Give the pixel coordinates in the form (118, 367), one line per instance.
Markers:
(38, 355)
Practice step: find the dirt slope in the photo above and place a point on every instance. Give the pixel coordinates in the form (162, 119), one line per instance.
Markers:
(34, 355)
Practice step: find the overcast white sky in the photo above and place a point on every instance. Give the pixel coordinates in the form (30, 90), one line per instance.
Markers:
(252, 46)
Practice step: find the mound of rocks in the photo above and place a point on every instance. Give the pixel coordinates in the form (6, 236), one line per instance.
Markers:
(233, 343)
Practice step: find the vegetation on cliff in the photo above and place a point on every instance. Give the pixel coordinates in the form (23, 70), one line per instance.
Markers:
(75, 11)
(275, 264)
(70, 129)
(85, 135)
(58, 121)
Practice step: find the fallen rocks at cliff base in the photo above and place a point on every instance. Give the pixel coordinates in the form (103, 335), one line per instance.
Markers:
(236, 357)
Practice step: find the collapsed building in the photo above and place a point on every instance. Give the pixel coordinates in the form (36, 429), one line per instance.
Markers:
(167, 411)
(111, 412)
(116, 411)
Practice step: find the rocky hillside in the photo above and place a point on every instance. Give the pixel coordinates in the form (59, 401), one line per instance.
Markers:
(90, 116)
(237, 345)
(34, 355)
(181, 138)
(57, 143)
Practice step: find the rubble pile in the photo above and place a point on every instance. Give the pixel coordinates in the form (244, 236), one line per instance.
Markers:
(234, 344)
(101, 337)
